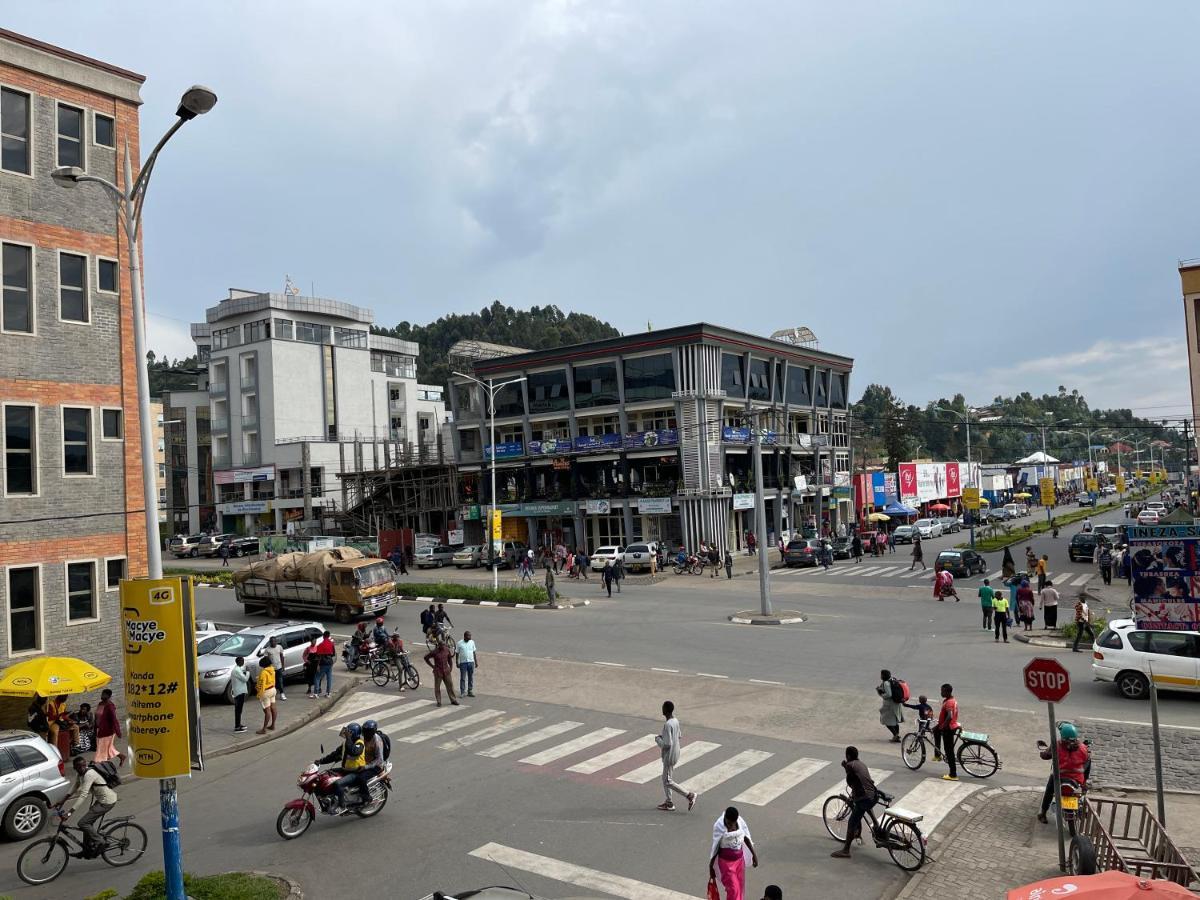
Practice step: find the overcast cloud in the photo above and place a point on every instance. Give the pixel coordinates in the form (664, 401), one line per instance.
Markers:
(978, 197)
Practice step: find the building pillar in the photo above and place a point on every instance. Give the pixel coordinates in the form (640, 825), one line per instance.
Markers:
(627, 512)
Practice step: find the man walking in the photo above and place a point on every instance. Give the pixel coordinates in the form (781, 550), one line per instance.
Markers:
(439, 660)
(618, 572)
(325, 654)
(1048, 600)
(274, 651)
(986, 595)
(427, 620)
(550, 592)
(728, 565)
(714, 561)
(468, 662)
(224, 554)
(1083, 622)
(606, 576)
(266, 693)
(239, 686)
(1106, 563)
(918, 555)
(856, 548)
(1041, 571)
(670, 743)
(863, 796)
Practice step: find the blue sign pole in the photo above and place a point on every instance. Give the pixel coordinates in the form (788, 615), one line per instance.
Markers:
(168, 804)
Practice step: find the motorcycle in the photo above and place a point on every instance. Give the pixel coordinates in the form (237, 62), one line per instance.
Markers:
(316, 785)
(1081, 856)
(366, 656)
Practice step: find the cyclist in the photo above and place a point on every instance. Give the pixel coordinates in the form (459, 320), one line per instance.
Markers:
(1074, 763)
(863, 797)
(89, 784)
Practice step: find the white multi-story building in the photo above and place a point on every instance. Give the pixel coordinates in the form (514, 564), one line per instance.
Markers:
(300, 384)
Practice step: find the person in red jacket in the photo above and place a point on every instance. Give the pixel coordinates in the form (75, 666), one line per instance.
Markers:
(1074, 763)
(947, 729)
(108, 729)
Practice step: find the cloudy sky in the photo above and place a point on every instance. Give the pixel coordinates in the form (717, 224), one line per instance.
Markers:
(972, 197)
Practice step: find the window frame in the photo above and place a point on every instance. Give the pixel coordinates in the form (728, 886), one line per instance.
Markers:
(31, 291)
(116, 292)
(83, 135)
(39, 608)
(30, 132)
(95, 617)
(96, 114)
(87, 292)
(62, 434)
(34, 454)
(103, 436)
(108, 588)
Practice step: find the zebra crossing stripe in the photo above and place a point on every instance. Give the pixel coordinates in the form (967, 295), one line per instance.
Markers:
(1082, 579)
(870, 570)
(409, 721)
(774, 786)
(359, 702)
(891, 570)
(934, 798)
(528, 740)
(996, 574)
(914, 573)
(464, 722)
(813, 807)
(572, 746)
(723, 771)
(404, 710)
(614, 756)
(647, 773)
(486, 734)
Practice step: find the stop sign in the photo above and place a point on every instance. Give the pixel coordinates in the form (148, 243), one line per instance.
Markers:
(1047, 680)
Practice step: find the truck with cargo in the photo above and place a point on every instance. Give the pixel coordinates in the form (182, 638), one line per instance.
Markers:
(337, 581)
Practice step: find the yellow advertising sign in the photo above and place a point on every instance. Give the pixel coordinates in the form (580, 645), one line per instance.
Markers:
(157, 676)
(970, 497)
(1046, 488)
(497, 527)
(1093, 485)
(1120, 484)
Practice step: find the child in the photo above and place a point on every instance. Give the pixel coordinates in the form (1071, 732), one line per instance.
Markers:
(925, 720)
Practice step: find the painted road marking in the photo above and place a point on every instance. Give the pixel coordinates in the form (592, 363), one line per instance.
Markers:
(464, 722)
(528, 740)
(614, 756)
(890, 571)
(774, 786)
(580, 876)
(359, 702)
(572, 746)
(690, 752)
(1082, 579)
(915, 573)
(486, 734)
(934, 798)
(813, 807)
(409, 721)
(996, 574)
(392, 713)
(723, 771)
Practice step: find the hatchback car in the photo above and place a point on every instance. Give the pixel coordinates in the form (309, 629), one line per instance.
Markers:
(1001, 514)
(469, 557)
(638, 556)
(1124, 656)
(32, 779)
(607, 553)
(1083, 546)
(433, 557)
(1148, 517)
(214, 666)
(960, 563)
(950, 524)
(928, 528)
(803, 552)
(903, 534)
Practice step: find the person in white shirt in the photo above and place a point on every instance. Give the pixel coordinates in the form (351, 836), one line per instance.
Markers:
(670, 743)
(468, 662)
(274, 652)
(89, 785)
(731, 840)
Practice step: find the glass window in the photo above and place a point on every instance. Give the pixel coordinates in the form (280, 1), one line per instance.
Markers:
(822, 388)
(18, 297)
(20, 450)
(24, 598)
(112, 424)
(72, 287)
(777, 382)
(14, 131)
(70, 136)
(758, 386)
(509, 401)
(548, 391)
(106, 130)
(649, 377)
(106, 276)
(114, 571)
(331, 422)
(1171, 643)
(77, 441)
(798, 387)
(28, 756)
(81, 591)
(350, 337)
(224, 338)
(596, 385)
(732, 382)
(283, 329)
(256, 331)
(312, 333)
(837, 390)
(469, 440)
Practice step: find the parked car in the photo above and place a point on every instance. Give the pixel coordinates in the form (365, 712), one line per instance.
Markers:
(214, 666)
(1124, 655)
(950, 524)
(208, 641)
(1156, 505)
(638, 556)
(186, 545)
(928, 528)
(1000, 514)
(1114, 534)
(803, 552)
(433, 557)
(1148, 517)
(607, 553)
(903, 534)
(841, 547)
(960, 563)
(211, 543)
(243, 546)
(469, 557)
(510, 554)
(1082, 547)
(32, 779)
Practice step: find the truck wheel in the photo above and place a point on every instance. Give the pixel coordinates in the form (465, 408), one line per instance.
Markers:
(274, 609)
(341, 612)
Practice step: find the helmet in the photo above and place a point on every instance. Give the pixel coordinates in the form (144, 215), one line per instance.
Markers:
(369, 728)
(379, 620)
(354, 731)
(362, 626)
(1068, 732)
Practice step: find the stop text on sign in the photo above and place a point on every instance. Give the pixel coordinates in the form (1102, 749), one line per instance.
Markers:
(1046, 679)
(1053, 681)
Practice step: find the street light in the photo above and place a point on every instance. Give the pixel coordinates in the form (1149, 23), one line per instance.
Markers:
(966, 417)
(196, 101)
(491, 389)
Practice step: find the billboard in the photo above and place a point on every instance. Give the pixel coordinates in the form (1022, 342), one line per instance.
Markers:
(505, 450)
(924, 481)
(1165, 561)
(953, 480)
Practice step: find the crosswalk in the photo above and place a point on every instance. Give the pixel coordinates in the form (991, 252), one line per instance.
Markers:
(610, 754)
(850, 569)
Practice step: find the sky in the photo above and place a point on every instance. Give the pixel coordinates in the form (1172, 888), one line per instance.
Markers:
(964, 197)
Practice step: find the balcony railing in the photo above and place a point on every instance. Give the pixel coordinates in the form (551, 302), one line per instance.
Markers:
(221, 461)
(251, 457)
(250, 382)
(221, 424)
(217, 387)
(249, 420)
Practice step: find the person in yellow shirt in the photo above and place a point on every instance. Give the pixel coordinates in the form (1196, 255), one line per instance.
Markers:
(1000, 614)
(266, 694)
(1041, 571)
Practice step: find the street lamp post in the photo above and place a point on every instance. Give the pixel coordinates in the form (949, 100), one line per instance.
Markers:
(196, 101)
(966, 417)
(491, 387)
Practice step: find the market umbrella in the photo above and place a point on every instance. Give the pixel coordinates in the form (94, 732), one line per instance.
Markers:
(984, 501)
(879, 517)
(940, 507)
(50, 676)
(1024, 495)
(1111, 885)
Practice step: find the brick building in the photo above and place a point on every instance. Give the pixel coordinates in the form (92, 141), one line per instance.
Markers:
(71, 520)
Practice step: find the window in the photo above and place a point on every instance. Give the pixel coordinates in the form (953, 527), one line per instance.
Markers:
(114, 571)
(107, 279)
(649, 378)
(778, 382)
(24, 613)
(223, 338)
(14, 132)
(350, 337)
(759, 381)
(20, 450)
(256, 331)
(112, 424)
(81, 591)
(70, 136)
(72, 287)
(311, 333)
(837, 390)
(732, 382)
(548, 392)
(822, 388)
(104, 130)
(596, 385)
(18, 289)
(509, 401)
(798, 385)
(283, 329)
(393, 364)
(469, 440)
(77, 441)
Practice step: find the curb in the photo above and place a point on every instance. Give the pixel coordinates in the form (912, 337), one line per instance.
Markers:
(1060, 643)
(787, 617)
(503, 604)
(294, 892)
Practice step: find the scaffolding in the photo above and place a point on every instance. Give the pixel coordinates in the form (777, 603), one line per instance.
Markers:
(423, 496)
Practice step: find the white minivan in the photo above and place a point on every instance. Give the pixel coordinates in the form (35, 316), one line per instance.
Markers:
(1124, 655)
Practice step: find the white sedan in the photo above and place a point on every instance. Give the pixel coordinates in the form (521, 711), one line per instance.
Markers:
(928, 528)
(608, 553)
(1148, 517)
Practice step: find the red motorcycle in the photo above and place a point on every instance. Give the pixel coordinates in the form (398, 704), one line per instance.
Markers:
(317, 787)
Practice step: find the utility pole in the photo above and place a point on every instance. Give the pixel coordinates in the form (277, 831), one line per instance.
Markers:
(760, 519)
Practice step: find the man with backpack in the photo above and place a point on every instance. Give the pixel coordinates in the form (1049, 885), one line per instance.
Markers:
(95, 783)
(893, 692)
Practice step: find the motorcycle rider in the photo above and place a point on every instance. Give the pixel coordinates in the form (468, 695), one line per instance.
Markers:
(351, 757)
(373, 744)
(359, 641)
(379, 634)
(1074, 763)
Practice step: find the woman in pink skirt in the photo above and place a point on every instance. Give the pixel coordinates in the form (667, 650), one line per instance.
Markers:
(108, 729)
(731, 840)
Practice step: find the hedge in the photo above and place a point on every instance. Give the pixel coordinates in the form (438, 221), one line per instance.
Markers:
(221, 579)
(231, 886)
(526, 594)
(1098, 624)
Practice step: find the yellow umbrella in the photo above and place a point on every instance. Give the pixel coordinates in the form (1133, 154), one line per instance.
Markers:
(879, 517)
(984, 501)
(50, 676)
(1023, 495)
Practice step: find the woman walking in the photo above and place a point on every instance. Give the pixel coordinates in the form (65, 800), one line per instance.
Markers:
(311, 666)
(731, 840)
(1008, 568)
(1025, 605)
(918, 555)
(891, 713)
(108, 729)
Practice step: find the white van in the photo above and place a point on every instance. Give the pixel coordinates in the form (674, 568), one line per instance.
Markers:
(1017, 509)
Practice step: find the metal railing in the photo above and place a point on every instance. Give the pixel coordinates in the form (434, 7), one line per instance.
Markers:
(250, 382)
(217, 387)
(251, 458)
(249, 420)
(221, 424)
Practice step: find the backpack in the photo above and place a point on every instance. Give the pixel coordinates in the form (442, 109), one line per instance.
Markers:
(387, 745)
(108, 772)
(900, 692)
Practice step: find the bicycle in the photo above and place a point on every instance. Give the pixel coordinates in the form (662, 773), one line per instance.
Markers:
(975, 755)
(46, 859)
(896, 831)
(440, 632)
(397, 666)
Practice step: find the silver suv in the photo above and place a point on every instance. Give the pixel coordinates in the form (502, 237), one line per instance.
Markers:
(32, 779)
(214, 666)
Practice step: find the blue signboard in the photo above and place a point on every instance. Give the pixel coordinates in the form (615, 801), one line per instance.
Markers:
(506, 450)
(590, 443)
(664, 437)
(741, 435)
(878, 489)
(550, 447)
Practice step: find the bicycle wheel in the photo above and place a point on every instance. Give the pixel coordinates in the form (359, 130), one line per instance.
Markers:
(912, 751)
(978, 760)
(905, 845)
(126, 842)
(835, 813)
(412, 678)
(381, 673)
(43, 861)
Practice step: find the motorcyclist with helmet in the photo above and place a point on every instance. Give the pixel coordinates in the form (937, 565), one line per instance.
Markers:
(1074, 763)
(373, 754)
(351, 758)
(380, 633)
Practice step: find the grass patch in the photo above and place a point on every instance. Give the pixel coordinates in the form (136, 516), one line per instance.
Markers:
(223, 579)
(527, 594)
(231, 886)
(1099, 623)
(997, 537)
